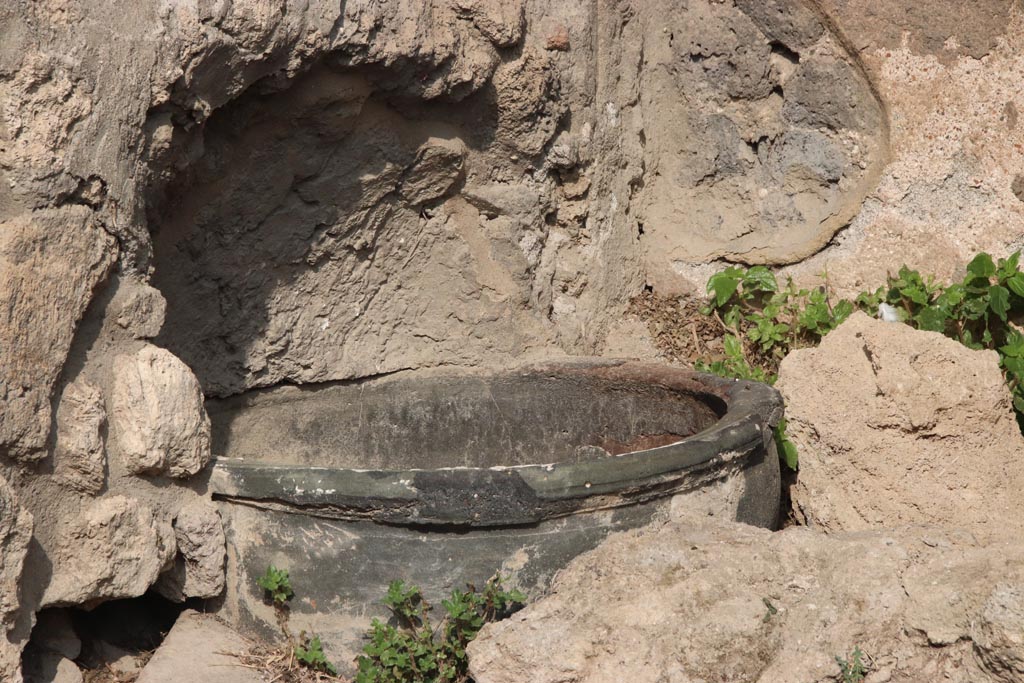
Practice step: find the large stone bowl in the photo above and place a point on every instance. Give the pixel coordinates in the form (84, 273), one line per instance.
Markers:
(447, 478)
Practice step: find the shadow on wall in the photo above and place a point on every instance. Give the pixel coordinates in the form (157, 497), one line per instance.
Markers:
(314, 238)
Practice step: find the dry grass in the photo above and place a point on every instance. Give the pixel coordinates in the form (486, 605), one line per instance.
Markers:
(679, 330)
(278, 665)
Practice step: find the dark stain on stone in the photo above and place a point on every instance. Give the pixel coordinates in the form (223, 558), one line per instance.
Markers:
(1010, 115)
(1018, 186)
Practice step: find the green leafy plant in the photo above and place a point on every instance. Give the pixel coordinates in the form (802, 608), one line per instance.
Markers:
(853, 670)
(412, 650)
(734, 364)
(771, 319)
(786, 449)
(307, 650)
(277, 585)
(762, 321)
(310, 654)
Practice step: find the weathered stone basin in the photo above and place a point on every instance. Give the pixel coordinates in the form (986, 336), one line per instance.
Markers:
(446, 478)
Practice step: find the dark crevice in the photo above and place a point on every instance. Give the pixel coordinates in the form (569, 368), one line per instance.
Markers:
(785, 52)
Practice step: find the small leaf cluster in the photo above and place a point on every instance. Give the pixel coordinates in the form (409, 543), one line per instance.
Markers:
(310, 653)
(774, 319)
(975, 311)
(277, 585)
(308, 650)
(412, 650)
(852, 670)
(764, 322)
(734, 364)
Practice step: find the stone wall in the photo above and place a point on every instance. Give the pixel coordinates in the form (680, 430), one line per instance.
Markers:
(200, 198)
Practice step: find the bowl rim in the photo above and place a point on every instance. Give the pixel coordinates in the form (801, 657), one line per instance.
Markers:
(529, 493)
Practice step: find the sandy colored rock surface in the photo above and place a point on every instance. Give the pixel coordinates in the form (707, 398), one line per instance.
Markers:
(199, 648)
(703, 600)
(15, 536)
(157, 417)
(198, 569)
(306, 192)
(116, 550)
(897, 426)
(80, 454)
(50, 261)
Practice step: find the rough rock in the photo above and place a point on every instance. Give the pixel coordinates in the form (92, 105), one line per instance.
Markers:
(942, 30)
(50, 262)
(946, 72)
(740, 175)
(116, 550)
(198, 569)
(15, 536)
(437, 168)
(501, 21)
(157, 415)
(898, 426)
(139, 309)
(199, 648)
(704, 600)
(121, 662)
(55, 632)
(80, 454)
(45, 666)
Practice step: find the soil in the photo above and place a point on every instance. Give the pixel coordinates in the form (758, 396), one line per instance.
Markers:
(681, 332)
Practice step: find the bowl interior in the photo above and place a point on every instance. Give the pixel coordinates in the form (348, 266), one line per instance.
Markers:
(425, 422)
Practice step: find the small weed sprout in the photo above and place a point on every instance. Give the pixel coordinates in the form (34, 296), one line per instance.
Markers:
(854, 669)
(277, 585)
(415, 650)
(307, 650)
(310, 653)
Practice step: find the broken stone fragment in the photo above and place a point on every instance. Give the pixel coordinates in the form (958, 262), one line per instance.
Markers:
(198, 569)
(116, 549)
(927, 603)
(15, 535)
(199, 648)
(80, 455)
(158, 417)
(999, 632)
(883, 415)
(438, 167)
(564, 153)
(559, 39)
(139, 309)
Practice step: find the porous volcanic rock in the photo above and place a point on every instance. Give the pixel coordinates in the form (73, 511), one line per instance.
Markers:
(899, 426)
(158, 417)
(699, 599)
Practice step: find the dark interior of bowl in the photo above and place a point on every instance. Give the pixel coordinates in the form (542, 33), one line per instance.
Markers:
(426, 422)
